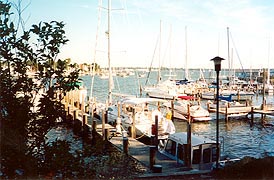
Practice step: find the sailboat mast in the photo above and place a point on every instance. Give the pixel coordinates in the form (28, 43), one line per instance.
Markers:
(159, 68)
(92, 67)
(186, 68)
(228, 56)
(109, 66)
(268, 69)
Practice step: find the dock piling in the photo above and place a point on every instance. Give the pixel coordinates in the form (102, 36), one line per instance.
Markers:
(103, 123)
(125, 145)
(156, 129)
(152, 153)
(252, 116)
(133, 130)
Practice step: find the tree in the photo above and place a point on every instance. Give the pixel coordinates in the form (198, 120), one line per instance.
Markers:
(23, 130)
(95, 66)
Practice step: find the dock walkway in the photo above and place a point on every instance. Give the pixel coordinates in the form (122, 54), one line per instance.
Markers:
(141, 152)
(242, 110)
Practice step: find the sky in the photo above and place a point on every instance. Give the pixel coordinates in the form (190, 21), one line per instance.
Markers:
(169, 33)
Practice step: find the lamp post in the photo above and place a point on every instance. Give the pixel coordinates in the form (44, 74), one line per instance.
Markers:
(217, 63)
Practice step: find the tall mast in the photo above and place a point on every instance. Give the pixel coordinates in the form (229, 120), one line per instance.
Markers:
(228, 55)
(268, 69)
(92, 68)
(170, 48)
(109, 66)
(159, 69)
(186, 68)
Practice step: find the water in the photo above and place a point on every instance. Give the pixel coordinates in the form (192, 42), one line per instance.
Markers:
(237, 136)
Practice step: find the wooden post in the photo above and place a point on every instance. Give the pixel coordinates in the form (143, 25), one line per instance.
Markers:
(103, 124)
(72, 99)
(172, 109)
(94, 124)
(152, 153)
(75, 114)
(119, 109)
(189, 156)
(118, 121)
(133, 130)
(152, 140)
(69, 110)
(156, 129)
(93, 132)
(85, 120)
(106, 134)
(238, 95)
(77, 104)
(92, 111)
(86, 109)
(202, 156)
(252, 116)
(106, 116)
(84, 125)
(226, 114)
(125, 145)
(188, 113)
(208, 106)
(75, 121)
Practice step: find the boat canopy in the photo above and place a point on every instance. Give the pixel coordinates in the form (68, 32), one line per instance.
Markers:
(181, 137)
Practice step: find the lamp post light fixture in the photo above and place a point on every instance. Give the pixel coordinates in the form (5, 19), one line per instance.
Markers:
(217, 63)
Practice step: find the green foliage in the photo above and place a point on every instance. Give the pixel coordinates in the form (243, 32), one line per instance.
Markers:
(22, 129)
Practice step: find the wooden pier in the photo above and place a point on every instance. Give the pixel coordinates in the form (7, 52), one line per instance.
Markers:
(243, 110)
(156, 163)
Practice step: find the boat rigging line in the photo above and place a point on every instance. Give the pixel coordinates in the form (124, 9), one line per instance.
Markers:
(238, 55)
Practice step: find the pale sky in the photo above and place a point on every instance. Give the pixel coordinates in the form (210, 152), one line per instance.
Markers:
(135, 31)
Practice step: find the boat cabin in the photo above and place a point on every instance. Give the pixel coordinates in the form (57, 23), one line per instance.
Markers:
(203, 150)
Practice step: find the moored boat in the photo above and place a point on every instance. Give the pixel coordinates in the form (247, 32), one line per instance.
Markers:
(185, 108)
(203, 151)
(141, 113)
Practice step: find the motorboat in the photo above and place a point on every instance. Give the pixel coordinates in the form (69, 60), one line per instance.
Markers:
(203, 151)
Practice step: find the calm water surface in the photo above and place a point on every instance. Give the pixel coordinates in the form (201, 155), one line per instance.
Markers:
(237, 136)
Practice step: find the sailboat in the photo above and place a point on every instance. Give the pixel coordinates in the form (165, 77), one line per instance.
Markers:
(140, 113)
(168, 89)
(235, 90)
(187, 107)
(128, 113)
